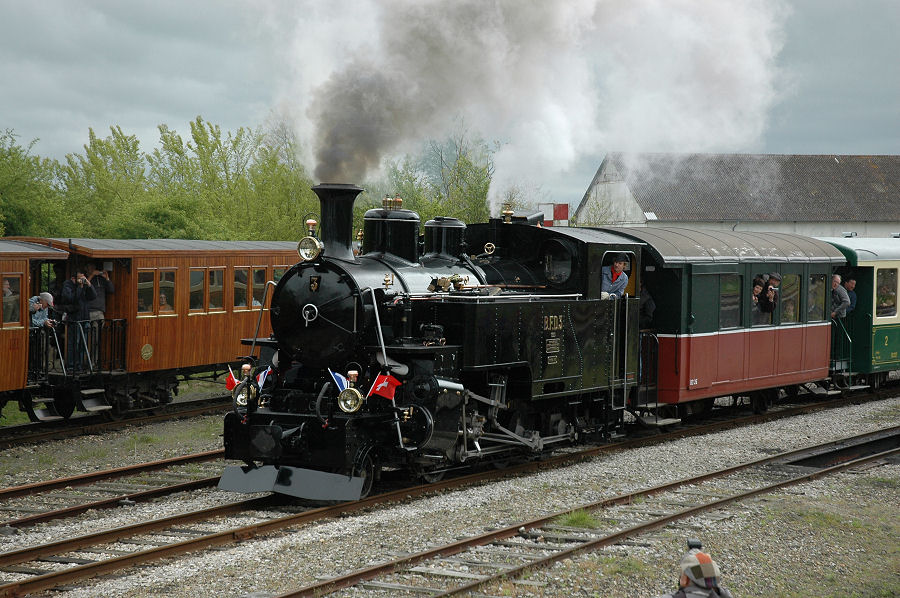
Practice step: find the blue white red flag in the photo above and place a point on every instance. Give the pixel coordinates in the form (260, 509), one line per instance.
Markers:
(261, 377)
(384, 386)
(339, 380)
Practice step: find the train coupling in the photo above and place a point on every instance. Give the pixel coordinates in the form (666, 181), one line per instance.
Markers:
(310, 484)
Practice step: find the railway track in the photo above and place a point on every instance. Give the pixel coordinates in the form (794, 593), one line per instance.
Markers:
(485, 560)
(35, 432)
(61, 562)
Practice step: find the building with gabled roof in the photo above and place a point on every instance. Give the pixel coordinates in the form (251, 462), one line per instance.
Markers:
(822, 195)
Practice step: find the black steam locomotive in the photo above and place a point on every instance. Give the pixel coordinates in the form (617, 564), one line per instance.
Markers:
(484, 341)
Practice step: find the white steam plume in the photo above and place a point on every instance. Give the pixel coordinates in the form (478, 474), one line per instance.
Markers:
(552, 81)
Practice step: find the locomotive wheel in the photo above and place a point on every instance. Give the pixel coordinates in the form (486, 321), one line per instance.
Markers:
(430, 477)
(368, 470)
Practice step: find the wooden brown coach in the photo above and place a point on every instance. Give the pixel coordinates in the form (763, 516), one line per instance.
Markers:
(179, 309)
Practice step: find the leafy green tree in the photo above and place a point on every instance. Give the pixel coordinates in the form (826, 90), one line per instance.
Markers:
(30, 203)
(449, 178)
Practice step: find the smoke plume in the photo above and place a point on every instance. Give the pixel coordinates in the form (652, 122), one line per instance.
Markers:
(553, 82)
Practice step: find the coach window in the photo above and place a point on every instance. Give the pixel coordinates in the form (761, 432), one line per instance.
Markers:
(167, 292)
(278, 272)
(790, 298)
(816, 296)
(198, 290)
(145, 291)
(886, 292)
(216, 286)
(729, 301)
(259, 286)
(12, 300)
(241, 276)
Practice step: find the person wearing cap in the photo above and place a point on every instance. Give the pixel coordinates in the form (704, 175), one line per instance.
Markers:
(768, 299)
(699, 578)
(840, 300)
(39, 306)
(613, 279)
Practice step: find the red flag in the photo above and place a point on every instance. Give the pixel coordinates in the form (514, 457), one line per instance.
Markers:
(384, 386)
(230, 381)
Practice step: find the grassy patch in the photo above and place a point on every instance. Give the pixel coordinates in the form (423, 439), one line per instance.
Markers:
(92, 453)
(11, 415)
(579, 518)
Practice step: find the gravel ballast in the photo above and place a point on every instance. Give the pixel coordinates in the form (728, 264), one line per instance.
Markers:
(834, 536)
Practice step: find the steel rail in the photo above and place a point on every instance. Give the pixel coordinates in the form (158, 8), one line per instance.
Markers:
(662, 521)
(106, 474)
(236, 535)
(17, 435)
(331, 585)
(108, 503)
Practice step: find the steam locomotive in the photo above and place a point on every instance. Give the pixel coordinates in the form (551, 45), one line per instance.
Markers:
(493, 340)
(488, 340)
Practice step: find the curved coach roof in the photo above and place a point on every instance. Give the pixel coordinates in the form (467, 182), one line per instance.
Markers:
(125, 247)
(13, 248)
(675, 246)
(866, 249)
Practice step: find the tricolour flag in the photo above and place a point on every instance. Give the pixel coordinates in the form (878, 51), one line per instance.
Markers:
(339, 380)
(384, 386)
(261, 377)
(230, 381)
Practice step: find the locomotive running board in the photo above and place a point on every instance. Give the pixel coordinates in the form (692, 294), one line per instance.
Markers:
(293, 481)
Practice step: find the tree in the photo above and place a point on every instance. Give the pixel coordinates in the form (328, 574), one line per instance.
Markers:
(449, 178)
(29, 200)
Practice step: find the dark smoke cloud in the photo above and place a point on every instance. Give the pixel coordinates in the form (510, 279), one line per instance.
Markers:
(552, 81)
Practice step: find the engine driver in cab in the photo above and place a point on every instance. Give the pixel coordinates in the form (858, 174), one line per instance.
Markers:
(614, 279)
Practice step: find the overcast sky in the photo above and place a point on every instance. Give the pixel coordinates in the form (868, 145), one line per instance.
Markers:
(558, 84)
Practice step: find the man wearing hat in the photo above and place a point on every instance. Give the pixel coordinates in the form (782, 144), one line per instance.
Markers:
(40, 313)
(699, 578)
(613, 279)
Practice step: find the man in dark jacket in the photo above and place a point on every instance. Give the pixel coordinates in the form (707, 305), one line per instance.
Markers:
(76, 293)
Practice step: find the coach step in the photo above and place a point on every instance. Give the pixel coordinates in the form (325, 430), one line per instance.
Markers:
(93, 400)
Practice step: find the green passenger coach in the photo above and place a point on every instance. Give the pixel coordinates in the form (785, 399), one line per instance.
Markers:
(869, 336)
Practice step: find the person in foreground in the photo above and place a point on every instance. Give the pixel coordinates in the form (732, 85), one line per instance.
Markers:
(699, 576)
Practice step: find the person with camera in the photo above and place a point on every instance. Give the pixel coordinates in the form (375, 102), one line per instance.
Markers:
(768, 299)
(39, 306)
(76, 293)
(103, 286)
(699, 575)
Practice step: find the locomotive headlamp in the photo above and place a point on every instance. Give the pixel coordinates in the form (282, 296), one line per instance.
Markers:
(309, 248)
(350, 400)
(242, 394)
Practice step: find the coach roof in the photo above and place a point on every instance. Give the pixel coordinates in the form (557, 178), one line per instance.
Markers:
(125, 247)
(16, 248)
(866, 249)
(676, 246)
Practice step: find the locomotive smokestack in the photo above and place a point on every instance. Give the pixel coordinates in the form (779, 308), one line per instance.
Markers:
(336, 201)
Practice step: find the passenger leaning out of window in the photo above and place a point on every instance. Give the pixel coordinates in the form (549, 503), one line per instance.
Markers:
(840, 300)
(768, 299)
(613, 278)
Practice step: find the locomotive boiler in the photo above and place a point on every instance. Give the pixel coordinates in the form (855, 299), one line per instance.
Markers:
(425, 352)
